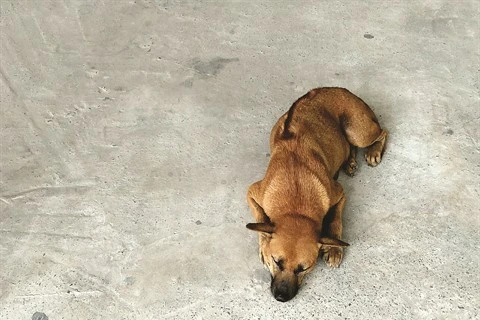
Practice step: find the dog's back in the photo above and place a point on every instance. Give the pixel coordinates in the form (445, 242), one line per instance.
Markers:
(312, 125)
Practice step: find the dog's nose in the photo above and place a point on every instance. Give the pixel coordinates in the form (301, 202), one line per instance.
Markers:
(283, 292)
(282, 297)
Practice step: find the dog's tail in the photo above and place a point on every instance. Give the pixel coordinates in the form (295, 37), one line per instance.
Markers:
(287, 134)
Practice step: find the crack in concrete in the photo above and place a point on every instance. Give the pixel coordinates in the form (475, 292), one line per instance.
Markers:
(48, 234)
(57, 294)
(58, 189)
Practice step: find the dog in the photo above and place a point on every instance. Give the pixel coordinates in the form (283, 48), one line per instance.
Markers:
(299, 203)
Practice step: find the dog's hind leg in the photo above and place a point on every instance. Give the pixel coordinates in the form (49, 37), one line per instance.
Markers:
(350, 166)
(362, 129)
(375, 151)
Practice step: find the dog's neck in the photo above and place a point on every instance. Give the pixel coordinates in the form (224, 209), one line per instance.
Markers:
(301, 222)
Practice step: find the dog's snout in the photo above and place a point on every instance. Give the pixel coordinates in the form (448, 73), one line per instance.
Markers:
(281, 292)
(284, 291)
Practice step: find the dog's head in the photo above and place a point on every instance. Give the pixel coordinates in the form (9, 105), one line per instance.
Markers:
(289, 249)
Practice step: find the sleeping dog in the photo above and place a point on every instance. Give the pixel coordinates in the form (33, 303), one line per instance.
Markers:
(298, 205)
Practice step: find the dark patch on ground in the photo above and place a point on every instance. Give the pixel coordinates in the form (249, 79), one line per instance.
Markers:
(188, 83)
(210, 68)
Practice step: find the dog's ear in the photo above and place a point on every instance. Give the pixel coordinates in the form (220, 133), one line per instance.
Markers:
(331, 242)
(259, 209)
(266, 227)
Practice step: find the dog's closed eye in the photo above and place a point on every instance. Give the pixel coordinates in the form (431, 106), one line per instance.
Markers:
(300, 269)
(279, 263)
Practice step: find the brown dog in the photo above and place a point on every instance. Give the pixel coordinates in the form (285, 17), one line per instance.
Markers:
(298, 205)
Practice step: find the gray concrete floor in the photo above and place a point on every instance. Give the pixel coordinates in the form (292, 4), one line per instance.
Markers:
(130, 131)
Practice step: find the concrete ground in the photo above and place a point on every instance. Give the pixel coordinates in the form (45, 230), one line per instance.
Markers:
(130, 131)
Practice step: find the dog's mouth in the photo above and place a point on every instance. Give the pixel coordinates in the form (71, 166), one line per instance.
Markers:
(284, 290)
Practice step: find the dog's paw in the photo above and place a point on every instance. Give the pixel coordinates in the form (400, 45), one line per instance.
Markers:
(374, 155)
(333, 257)
(350, 167)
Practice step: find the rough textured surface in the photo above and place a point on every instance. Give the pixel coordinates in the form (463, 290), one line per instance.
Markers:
(130, 131)
(39, 316)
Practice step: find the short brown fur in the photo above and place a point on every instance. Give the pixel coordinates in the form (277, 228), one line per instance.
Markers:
(309, 144)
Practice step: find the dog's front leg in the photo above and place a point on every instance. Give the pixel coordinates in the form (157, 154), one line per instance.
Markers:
(259, 214)
(253, 196)
(333, 255)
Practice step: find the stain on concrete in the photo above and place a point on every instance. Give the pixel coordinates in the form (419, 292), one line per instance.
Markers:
(198, 222)
(448, 132)
(212, 67)
(130, 280)
(39, 316)
(188, 83)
